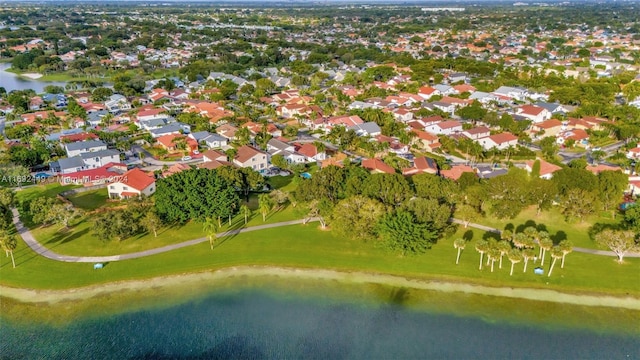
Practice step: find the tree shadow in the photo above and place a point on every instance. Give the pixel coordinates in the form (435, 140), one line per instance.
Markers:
(399, 296)
(526, 224)
(558, 237)
(468, 235)
(509, 227)
(490, 235)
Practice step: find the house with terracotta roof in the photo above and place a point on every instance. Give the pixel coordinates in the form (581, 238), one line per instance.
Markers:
(534, 113)
(597, 169)
(551, 127)
(546, 169)
(171, 143)
(633, 153)
(579, 136)
(477, 132)
(175, 168)
(337, 159)
(444, 127)
(456, 171)
(422, 165)
(499, 141)
(377, 166)
(250, 157)
(105, 174)
(133, 183)
(426, 92)
(310, 151)
(426, 140)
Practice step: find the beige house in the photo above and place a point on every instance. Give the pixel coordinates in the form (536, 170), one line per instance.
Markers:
(251, 157)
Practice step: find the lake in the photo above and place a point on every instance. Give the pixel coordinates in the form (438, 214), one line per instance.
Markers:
(11, 81)
(275, 323)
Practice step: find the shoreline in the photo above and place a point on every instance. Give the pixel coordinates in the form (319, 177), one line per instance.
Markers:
(31, 296)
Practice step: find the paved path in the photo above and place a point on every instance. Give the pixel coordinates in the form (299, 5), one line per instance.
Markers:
(576, 249)
(49, 254)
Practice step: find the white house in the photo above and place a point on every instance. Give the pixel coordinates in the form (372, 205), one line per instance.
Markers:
(96, 159)
(133, 183)
(80, 147)
(444, 127)
(251, 157)
(499, 141)
(534, 113)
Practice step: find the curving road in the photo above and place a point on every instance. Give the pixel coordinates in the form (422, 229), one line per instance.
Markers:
(49, 254)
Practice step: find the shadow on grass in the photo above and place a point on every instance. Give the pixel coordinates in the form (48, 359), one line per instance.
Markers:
(468, 235)
(66, 235)
(558, 237)
(490, 235)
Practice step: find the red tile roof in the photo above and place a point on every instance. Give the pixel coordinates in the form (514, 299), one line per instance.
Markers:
(246, 152)
(377, 165)
(137, 179)
(456, 171)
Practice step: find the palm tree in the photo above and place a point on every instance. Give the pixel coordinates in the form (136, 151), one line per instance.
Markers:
(9, 243)
(482, 246)
(244, 209)
(527, 254)
(265, 204)
(504, 248)
(459, 244)
(493, 255)
(210, 228)
(514, 256)
(541, 235)
(566, 246)
(519, 239)
(531, 233)
(556, 253)
(506, 235)
(545, 245)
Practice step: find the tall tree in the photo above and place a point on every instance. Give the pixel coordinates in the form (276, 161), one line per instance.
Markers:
(504, 249)
(9, 244)
(611, 186)
(152, 222)
(403, 233)
(210, 228)
(566, 246)
(245, 211)
(619, 241)
(482, 246)
(556, 253)
(546, 244)
(459, 244)
(515, 256)
(355, 217)
(265, 204)
(527, 254)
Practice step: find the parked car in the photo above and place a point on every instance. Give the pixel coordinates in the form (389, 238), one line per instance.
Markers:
(186, 158)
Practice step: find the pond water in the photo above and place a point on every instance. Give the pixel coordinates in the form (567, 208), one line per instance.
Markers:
(11, 81)
(277, 324)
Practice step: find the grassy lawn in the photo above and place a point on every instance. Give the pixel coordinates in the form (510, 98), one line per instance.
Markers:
(80, 240)
(91, 200)
(49, 190)
(284, 183)
(554, 223)
(308, 247)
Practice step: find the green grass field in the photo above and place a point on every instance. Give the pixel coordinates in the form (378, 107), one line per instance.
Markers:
(554, 223)
(308, 247)
(91, 200)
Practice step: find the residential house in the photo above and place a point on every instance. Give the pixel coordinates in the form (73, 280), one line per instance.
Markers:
(445, 127)
(215, 141)
(546, 169)
(105, 174)
(456, 172)
(457, 77)
(367, 129)
(133, 183)
(482, 97)
(171, 129)
(514, 93)
(534, 113)
(553, 108)
(578, 136)
(551, 127)
(248, 156)
(310, 151)
(96, 159)
(499, 141)
(175, 168)
(477, 132)
(445, 89)
(426, 92)
(172, 142)
(422, 165)
(228, 131)
(428, 141)
(633, 153)
(117, 103)
(597, 169)
(377, 166)
(77, 148)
